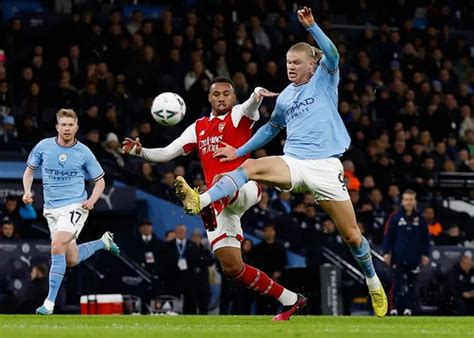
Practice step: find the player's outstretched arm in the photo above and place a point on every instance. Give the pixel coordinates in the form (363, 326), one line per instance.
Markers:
(331, 55)
(263, 135)
(27, 182)
(171, 151)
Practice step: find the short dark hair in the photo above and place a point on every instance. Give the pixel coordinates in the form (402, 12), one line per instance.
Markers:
(145, 222)
(222, 79)
(269, 225)
(11, 198)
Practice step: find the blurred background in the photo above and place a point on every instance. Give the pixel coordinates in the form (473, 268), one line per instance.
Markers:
(405, 95)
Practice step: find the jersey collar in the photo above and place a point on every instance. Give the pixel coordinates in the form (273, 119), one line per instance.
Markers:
(220, 117)
(72, 145)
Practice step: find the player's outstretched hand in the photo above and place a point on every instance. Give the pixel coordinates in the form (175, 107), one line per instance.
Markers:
(262, 92)
(88, 205)
(27, 197)
(305, 16)
(128, 144)
(226, 153)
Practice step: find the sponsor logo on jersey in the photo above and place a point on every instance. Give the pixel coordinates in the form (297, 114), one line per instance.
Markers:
(209, 144)
(298, 107)
(59, 174)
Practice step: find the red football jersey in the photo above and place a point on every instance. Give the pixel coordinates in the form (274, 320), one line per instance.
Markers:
(234, 128)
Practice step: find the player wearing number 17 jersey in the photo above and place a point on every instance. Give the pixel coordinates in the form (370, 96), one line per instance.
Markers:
(65, 163)
(232, 125)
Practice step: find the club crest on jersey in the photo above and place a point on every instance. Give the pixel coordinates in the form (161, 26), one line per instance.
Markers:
(221, 127)
(62, 158)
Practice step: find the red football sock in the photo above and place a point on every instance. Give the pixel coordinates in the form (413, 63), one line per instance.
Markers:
(258, 281)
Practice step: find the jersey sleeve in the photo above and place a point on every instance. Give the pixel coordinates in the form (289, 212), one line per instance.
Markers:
(324, 76)
(35, 159)
(92, 166)
(249, 109)
(187, 140)
(277, 119)
(184, 144)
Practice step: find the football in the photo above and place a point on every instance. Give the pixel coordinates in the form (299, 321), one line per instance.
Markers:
(168, 109)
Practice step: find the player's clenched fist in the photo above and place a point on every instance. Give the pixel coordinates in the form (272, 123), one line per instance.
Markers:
(305, 16)
(133, 147)
(27, 197)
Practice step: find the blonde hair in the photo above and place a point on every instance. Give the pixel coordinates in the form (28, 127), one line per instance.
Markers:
(66, 113)
(311, 51)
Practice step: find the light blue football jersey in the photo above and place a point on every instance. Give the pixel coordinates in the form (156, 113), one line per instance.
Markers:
(64, 170)
(310, 114)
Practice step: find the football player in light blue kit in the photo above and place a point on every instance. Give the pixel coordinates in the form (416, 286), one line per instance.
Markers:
(316, 138)
(65, 163)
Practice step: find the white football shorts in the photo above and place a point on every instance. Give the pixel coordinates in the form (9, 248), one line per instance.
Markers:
(70, 218)
(324, 178)
(229, 231)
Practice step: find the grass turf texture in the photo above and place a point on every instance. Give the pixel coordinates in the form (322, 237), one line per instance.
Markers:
(233, 326)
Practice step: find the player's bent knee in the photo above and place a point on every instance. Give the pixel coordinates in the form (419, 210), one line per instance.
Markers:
(353, 240)
(57, 248)
(232, 270)
(71, 261)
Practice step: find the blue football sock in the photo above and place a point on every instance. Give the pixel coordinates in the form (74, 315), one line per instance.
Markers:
(56, 274)
(228, 185)
(364, 258)
(88, 249)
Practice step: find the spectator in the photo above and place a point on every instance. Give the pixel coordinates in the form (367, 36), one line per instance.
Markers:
(460, 286)
(204, 260)
(434, 226)
(452, 236)
(146, 250)
(270, 257)
(170, 235)
(113, 149)
(179, 259)
(29, 131)
(30, 296)
(8, 232)
(406, 246)
(283, 203)
(8, 133)
(193, 75)
(21, 216)
(147, 179)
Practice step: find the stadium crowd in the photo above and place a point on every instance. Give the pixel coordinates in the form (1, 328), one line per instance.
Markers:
(406, 96)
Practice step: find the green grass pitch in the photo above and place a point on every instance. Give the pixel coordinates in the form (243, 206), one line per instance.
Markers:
(233, 326)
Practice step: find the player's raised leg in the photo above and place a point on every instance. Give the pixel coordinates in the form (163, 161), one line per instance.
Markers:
(270, 169)
(342, 213)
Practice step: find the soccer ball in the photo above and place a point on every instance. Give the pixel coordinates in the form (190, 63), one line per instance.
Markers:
(168, 109)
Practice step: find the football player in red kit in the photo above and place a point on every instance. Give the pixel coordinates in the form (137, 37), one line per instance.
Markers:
(227, 124)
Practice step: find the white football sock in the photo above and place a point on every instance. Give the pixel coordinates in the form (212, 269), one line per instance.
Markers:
(204, 200)
(288, 298)
(373, 283)
(49, 305)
